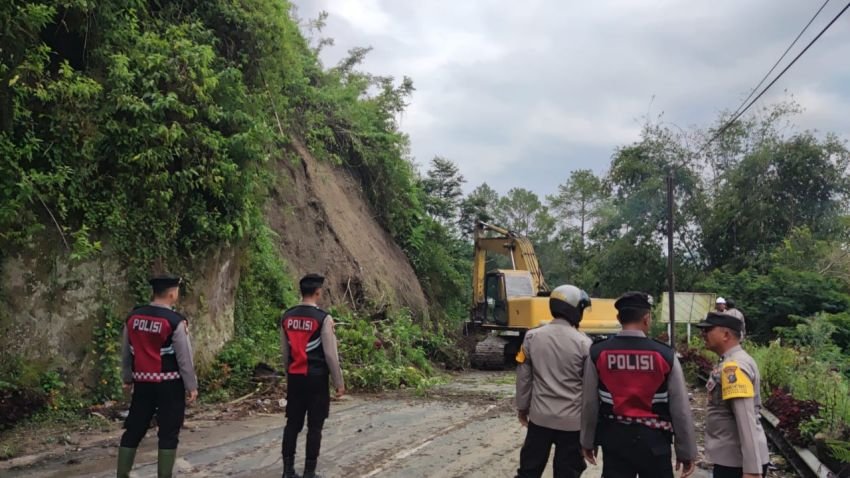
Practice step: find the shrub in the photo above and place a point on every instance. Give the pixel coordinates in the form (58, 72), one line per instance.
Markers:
(791, 414)
(385, 354)
(695, 363)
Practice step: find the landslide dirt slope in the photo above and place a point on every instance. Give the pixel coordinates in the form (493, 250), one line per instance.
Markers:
(325, 225)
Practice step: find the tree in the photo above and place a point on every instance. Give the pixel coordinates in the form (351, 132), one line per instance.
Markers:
(627, 263)
(479, 205)
(443, 188)
(800, 182)
(522, 212)
(577, 202)
(637, 208)
(743, 137)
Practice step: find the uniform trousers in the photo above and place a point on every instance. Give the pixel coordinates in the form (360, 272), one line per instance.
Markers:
(631, 451)
(305, 396)
(534, 455)
(166, 400)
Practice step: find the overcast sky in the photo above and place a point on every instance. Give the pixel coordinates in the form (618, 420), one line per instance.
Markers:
(519, 94)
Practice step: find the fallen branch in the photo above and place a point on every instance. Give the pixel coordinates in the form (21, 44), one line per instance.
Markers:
(242, 398)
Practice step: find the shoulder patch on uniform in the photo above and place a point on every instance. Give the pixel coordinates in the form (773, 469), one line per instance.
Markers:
(734, 382)
(520, 356)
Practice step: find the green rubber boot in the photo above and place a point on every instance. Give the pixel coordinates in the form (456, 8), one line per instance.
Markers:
(165, 463)
(126, 457)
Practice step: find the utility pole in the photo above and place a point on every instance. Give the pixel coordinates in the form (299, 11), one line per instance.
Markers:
(671, 278)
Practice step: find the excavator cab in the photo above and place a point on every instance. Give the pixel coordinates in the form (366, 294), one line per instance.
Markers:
(497, 303)
(509, 302)
(512, 303)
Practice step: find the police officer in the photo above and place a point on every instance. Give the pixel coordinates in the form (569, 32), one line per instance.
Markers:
(635, 400)
(157, 367)
(309, 350)
(548, 387)
(720, 304)
(734, 439)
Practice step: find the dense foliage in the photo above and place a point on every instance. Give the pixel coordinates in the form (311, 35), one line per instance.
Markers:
(145, 128)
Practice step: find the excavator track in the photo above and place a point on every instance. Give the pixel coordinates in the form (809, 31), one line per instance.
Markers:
(490, 353)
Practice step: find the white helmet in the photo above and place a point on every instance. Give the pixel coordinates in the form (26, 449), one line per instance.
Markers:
(568, 302)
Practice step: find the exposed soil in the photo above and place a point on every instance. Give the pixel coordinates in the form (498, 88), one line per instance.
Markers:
(325, 225)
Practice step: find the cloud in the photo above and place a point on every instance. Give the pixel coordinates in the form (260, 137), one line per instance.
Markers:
(520, 93)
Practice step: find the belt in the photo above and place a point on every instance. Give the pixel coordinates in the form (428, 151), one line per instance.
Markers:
(655, 423)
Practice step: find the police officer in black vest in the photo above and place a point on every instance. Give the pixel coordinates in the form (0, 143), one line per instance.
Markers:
(157, 367)
(635, 400)
(309, 351)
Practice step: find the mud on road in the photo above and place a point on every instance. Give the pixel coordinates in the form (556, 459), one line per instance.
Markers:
(466, 428)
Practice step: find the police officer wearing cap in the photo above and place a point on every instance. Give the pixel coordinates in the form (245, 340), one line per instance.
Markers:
(734, 438)
(635, 400)
(309, 351)
(157, 367)
(548, 387)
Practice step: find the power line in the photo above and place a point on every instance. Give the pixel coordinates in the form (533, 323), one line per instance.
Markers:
(751, 103)
(755, 88)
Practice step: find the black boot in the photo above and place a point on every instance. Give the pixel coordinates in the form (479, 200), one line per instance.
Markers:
(310, 469)
(289, 468)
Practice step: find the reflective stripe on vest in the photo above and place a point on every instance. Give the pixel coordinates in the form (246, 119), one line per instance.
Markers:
(155, 376)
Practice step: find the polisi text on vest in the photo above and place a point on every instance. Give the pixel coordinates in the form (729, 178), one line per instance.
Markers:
(295, 323)
(144, 325)
(639, 362)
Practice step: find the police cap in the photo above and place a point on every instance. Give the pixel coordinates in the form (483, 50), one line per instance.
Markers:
(634, 300)
(311, 281)
(163, 282)
(714, 319)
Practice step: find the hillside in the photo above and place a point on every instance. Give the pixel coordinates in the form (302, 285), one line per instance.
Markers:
(205, 139)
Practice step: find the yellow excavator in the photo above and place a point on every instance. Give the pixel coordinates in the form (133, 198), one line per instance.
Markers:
(509, 302)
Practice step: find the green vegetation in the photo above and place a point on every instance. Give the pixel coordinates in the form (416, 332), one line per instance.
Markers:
(388, 353)
(810, 367)
(148, 127)
(265, 289)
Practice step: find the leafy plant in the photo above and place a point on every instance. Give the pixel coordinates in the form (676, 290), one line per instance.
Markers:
(695, 363)
(791, 414)
(385, 354)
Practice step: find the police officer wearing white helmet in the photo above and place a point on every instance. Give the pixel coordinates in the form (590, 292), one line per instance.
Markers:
(548, 387)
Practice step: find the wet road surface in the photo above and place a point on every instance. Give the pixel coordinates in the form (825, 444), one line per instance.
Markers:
(466, 428)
